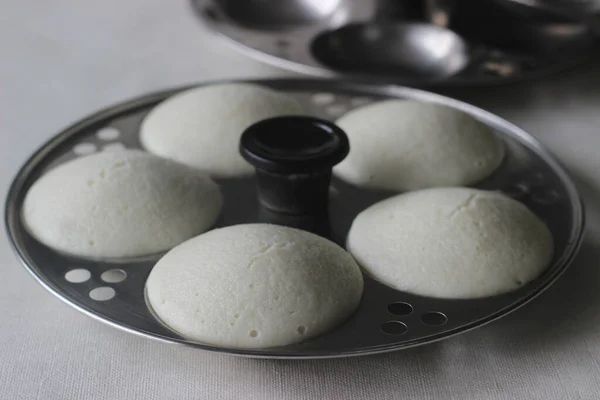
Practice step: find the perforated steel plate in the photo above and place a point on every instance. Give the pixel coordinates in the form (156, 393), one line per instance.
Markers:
(401, 42)
(113, 292)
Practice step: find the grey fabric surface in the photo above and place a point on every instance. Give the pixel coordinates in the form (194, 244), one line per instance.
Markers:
(64, 59)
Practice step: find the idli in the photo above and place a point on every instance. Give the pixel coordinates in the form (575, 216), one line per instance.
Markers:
(120, 204)
(201, 127)
(254, 286)
(451, 243)
(403, 145)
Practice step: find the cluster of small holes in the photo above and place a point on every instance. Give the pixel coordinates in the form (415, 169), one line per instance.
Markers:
(396, 327)
(83, 149)
(402, 309)
(107, 134)
(102, 293)
(110, 134)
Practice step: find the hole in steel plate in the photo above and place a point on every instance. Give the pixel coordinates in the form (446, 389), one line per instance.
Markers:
(78, 275)
(323, 98)
(102, 293)
(113, 276)
(113, 147)
(411, 50)
(82, 149)
(108, 133)
(399, 308)
(434, 318)
(394, 328)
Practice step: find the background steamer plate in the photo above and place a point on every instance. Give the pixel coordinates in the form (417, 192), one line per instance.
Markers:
(112, 291)
(416, 43)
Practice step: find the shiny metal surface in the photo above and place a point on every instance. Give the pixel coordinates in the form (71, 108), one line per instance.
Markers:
(387, 319)
(387, 41)
(416, 50)
(280, 14)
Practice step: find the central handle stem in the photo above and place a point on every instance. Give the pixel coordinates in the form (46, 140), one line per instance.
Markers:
(293, 157)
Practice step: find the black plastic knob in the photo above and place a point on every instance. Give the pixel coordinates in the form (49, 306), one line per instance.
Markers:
(293, 157)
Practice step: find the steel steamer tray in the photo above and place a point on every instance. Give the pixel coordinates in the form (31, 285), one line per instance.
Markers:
(112, 291)
(414, 43)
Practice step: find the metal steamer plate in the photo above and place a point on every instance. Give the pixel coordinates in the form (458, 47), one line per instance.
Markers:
(113, 291)
(445, 43)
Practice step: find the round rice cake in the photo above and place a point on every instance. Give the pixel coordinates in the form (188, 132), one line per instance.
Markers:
(255, 286)
(201, 127)
(451, 243)
(120, 204)
(403, 145)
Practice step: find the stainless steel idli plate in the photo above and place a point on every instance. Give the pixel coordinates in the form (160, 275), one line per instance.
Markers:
(422, 43)
(387, 320)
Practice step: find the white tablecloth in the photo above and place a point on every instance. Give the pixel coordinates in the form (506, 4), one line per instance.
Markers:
(64, 59)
